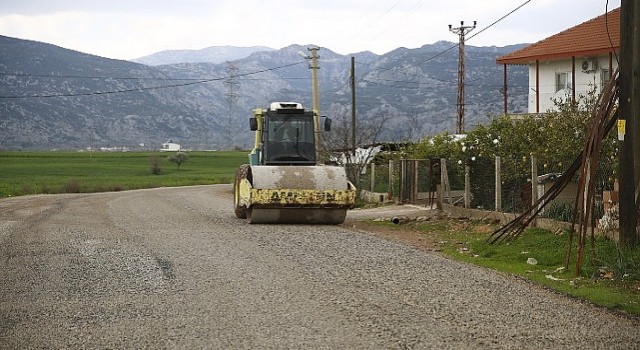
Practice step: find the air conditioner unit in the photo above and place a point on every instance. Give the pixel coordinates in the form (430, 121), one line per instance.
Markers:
(589, 66)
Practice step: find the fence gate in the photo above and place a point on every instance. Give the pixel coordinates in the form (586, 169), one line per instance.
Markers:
(418, 179)
(408, 181)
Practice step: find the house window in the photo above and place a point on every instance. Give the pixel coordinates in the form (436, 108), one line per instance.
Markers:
(563, 81)
(604, 76)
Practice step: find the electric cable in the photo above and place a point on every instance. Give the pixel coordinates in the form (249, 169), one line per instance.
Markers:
(200, 81)
(194, 81)
(456, 45)
(606, 24)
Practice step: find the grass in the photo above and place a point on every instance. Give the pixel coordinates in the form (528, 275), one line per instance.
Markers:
(610, 278)
(78, 172)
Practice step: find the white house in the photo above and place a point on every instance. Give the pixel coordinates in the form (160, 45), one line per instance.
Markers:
(568, 64)
(170, 146)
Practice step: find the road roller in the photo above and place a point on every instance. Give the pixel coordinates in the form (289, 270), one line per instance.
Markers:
(283, 182)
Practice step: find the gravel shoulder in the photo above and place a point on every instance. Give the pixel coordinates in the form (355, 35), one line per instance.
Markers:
(359, 219)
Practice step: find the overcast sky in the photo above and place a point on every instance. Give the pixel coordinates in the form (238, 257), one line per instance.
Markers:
(127, 29)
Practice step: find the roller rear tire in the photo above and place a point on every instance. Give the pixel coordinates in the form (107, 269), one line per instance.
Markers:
(241, 173)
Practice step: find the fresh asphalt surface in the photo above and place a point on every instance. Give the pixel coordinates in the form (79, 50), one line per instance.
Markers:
(174, 268)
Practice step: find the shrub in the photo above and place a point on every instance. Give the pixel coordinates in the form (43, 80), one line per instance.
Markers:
(155, 165)
(178, 158)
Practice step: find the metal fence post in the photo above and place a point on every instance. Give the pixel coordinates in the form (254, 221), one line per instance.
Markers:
(444, 180)
(403, 180)
(534, 184)
(391, 179)
(414, 193)
(467, 186)
(498, 184)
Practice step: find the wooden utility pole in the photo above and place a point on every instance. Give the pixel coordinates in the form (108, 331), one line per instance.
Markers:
(461, 32)
(629, 112)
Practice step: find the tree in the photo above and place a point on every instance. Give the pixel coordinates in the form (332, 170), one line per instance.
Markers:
(178, 158)
(555, 138)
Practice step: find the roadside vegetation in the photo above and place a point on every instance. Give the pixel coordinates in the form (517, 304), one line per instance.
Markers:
(609, 278)
(26, 173)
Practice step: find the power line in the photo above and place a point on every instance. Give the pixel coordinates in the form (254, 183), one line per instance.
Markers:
(404, 84)
(606, 24)
(139, 89)
(194, 81)
(499, 19)
(103, 77)
(456, 45)
(94, 77)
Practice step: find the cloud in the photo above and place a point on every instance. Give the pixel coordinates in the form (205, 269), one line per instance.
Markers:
(127, 29)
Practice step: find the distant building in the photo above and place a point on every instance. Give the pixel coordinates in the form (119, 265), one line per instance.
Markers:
(170, 146)
(569, 63)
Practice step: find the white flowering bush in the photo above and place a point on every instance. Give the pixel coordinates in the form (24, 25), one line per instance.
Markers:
(610, 219)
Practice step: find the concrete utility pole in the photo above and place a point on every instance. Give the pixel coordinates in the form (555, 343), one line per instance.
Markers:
(316, 100)
(461, 32)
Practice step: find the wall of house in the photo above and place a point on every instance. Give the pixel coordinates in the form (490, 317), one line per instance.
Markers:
(170, 147)
(548, 83)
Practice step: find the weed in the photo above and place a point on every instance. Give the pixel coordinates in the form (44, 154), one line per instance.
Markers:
(73, 186)
(45, 189)
(26, 189)
(618, 264)
(560, 211)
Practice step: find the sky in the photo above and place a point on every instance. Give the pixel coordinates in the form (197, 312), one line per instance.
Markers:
(129, 29)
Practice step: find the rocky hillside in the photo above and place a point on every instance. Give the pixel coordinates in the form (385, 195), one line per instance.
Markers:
(51, 97)
(213, 54)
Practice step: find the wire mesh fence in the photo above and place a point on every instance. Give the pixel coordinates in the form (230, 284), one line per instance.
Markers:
(402, 181)
(489, 183)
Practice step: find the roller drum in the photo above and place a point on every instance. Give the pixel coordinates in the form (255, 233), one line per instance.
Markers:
(299, 177)
(323, 181)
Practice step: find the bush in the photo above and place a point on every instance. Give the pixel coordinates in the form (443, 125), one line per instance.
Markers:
(155, 165)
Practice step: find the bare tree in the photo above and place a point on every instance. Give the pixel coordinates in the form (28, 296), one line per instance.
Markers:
(337, 142)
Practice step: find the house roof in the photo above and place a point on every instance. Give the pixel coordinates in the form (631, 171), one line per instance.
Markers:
(590, 38)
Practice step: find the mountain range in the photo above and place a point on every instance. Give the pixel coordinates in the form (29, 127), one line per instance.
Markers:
(56, 98)
(213, 54)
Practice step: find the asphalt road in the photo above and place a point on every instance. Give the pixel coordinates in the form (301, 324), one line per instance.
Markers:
(174, 268)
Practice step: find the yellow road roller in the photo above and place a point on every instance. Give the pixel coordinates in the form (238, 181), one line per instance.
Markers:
(283, 182)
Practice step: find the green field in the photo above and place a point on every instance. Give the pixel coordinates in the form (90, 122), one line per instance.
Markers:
(25, 173)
